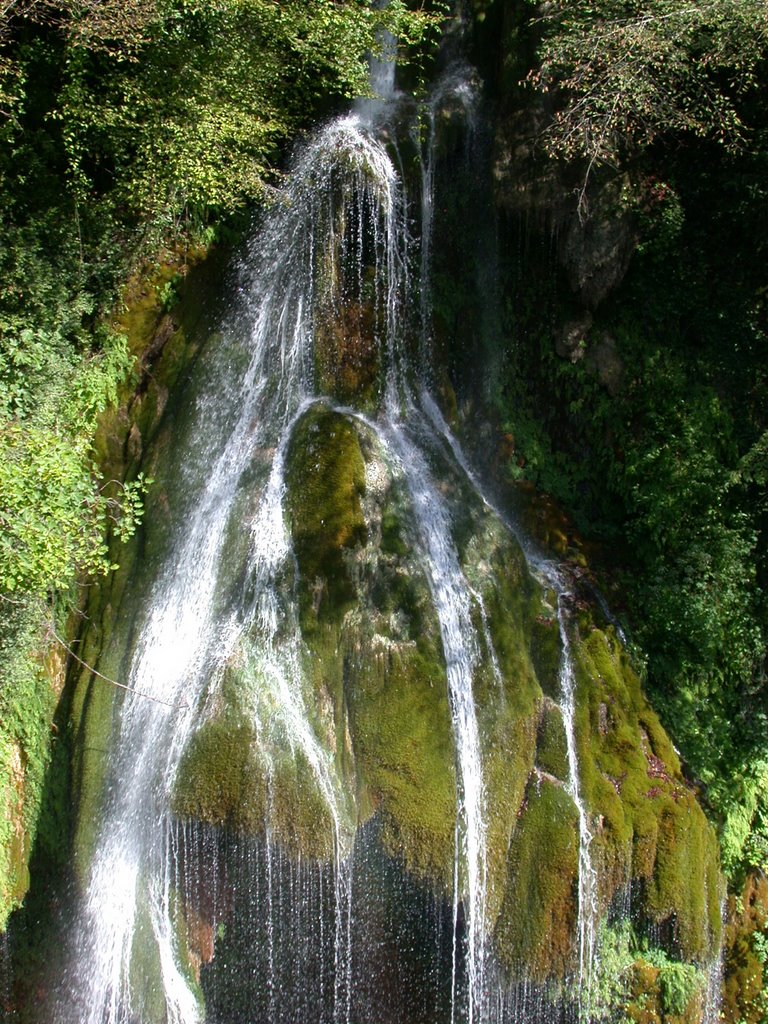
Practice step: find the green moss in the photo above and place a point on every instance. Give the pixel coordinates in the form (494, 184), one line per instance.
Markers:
(14, 851)
(392, 539)
(507, 695)
(326, 480)
(28, 695)
(534, 933)
(644, 1003)
(225, 780)
(404, 752)
(300, 818)
(744, 952)
(682, 886)
(650, 825)
(218, 781)
(92, 713)
(545, 650)
(551, 743)
(495, 567)
(637, 981)
(509, 743)
(664, 990)
(682, 990)
(374, 654)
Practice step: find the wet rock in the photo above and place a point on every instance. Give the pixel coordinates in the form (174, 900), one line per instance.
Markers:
(596, 248)
(604, 361)
(571, 342)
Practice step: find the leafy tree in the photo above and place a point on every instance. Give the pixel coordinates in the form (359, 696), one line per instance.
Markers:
(626, 73)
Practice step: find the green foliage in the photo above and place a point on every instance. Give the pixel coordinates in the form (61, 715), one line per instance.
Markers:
(760, 949)
(26, 709)
(695, 540)
(191, 114)
(629, 71)
(610, 984)
(53, 516)
(622, 958)
(678, 982)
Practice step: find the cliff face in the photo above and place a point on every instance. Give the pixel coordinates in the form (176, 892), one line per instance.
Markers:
(378, 699)
(378, 705)
(336, 819)
(628, 290)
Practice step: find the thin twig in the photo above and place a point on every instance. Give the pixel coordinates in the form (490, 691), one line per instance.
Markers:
(106, 679)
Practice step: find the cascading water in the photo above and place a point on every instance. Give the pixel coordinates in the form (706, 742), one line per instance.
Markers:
(453, 601)
(587, 899)
(159, 938)
(551, 577)
(183, 646)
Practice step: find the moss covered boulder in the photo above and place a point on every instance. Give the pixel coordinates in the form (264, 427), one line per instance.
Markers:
(649, 829)
(534, 934)
(360, 648)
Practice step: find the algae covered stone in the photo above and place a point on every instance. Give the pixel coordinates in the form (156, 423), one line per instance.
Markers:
(534, 935)
(325, 481)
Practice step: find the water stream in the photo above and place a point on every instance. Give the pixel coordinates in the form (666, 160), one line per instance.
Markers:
(345, 208)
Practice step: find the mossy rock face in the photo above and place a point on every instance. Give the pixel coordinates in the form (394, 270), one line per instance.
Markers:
(347, 354)
(535, 931)
(218, 780)
(326, 480)
(646, 821)
(401, 733)
(373, 651)
(91, 723)
(507, 692)
(14, 853)
(225, 780)
(30, 689)
(665, 993)
(545, 650)
(743, 966)
(138, 435)
(373, 682)
(644, 1004)
(551, 742)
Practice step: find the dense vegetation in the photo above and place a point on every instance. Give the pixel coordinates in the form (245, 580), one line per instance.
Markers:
(128, 128)
(649, 423)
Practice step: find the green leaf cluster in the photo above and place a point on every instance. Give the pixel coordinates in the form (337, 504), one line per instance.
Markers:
(185, 107)
(627, 72)
(54, 519)
(621, 955)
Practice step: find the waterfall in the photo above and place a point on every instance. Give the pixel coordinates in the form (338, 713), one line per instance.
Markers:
(550, 576)
(453, 602)
(340, 234)
(184, 645)
(587, 897)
